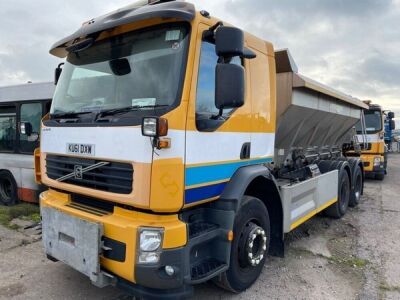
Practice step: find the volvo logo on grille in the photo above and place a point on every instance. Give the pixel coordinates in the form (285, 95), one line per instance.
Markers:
(78, 172)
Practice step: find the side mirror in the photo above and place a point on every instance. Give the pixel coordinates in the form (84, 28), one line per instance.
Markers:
(57, 73)
(26, 128)
(392, 125)
(229, 86)
(229, 41)
(391, 115)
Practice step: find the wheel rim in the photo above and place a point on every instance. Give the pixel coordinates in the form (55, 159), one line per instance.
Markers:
(252, 246)
(5, 190)
(358, 188)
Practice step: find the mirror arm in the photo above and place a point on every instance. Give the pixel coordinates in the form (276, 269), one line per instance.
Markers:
(209, 35)
(58, 72)
(214, 27)
(219, 115)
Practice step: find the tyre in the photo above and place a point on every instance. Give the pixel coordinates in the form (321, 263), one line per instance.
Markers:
(386, 163)
(379, 176)
(249, 247)
(339, 209)
(8, 189)
(358, 188)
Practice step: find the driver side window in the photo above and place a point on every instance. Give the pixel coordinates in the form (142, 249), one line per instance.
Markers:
(206, 112)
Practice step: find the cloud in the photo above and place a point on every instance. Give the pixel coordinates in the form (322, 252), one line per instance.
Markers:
(353, 46)
(28, 30)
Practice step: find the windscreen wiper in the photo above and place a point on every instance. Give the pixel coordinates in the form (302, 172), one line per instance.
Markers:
(72, 114)
(117, 111)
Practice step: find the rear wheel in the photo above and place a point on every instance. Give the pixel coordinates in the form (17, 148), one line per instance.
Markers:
(249, 247)
(339, 209)
(358, 188)
(8, 189)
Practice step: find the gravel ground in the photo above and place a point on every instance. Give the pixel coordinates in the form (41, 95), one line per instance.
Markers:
(352, 258)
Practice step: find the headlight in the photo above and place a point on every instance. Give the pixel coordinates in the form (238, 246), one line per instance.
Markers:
(149, 127)
(150, 243)
(150, 240)
(377, 161)
(154, 127)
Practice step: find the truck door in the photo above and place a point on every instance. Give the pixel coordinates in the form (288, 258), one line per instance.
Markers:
(215, 146)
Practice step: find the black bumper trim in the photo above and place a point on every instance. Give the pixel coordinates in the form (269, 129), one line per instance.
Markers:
(184, 292)
(148, 275)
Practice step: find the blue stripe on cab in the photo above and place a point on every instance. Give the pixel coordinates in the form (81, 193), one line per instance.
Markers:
(203, 193)
(211, 173)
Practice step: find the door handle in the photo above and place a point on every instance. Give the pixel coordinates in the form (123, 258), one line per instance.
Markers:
(245, 152)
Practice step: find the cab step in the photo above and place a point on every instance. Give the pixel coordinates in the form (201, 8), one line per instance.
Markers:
(208, 243)
(206, 268)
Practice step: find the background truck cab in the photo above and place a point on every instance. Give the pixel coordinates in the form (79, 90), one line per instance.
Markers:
(374, 155)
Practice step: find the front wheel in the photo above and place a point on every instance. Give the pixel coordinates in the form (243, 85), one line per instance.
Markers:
(385, 165)
(249, 248)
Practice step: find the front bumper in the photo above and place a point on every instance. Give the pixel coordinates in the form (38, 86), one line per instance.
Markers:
(84, 235)
(374, 171)
(182, 292)
(377, 169)
(370, 166)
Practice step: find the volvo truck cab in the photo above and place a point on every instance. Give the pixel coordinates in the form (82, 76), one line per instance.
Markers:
(180, 149)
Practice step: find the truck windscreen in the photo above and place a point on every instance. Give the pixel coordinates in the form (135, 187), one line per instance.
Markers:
(141, 69)
(373, 122)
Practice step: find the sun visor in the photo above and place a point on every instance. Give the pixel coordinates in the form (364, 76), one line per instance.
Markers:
(175, 9)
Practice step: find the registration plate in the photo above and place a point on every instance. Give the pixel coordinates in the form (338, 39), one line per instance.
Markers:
(81, 149)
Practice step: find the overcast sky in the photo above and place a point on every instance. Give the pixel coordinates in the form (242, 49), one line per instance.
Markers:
(350, 45)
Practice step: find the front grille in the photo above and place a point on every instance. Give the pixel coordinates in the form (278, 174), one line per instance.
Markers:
(113, 177)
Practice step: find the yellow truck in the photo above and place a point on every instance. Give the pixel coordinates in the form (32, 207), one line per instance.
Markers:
(180, 149)
(375, 153)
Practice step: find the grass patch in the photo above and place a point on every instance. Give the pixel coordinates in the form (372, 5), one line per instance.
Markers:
(35, 217)
(387, 288)
(23, 211)
(354, 262)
